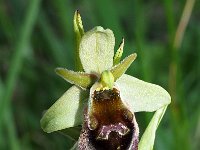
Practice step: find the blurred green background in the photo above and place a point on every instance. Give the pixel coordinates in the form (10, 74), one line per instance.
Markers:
(37, 36)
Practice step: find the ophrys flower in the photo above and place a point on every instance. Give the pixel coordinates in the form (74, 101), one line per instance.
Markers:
(103, 99)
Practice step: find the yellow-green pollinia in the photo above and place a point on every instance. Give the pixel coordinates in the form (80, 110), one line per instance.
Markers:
(103, 99)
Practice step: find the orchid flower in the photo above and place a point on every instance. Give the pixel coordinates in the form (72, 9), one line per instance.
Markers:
(103, 99)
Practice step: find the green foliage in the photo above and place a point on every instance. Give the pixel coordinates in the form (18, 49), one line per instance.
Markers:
(32, 45)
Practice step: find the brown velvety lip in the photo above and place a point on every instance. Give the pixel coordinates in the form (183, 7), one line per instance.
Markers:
(110, 122)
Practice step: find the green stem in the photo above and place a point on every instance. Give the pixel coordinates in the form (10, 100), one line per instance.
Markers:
(175, 79)
(12, 135)
(1, 97)
(183, 23)
(55, 46)
(16, 63)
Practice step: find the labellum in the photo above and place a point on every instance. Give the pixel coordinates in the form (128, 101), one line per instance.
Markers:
(108, 123)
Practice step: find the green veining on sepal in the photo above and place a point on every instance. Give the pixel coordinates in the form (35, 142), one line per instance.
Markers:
(107, 79)
(119, 53)
(81, 79)
(66, 112)
(141, 95)
(119, 69)
(79, 32)
(97, 50)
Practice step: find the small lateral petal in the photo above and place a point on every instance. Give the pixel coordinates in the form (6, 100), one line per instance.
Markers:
(81, 79)
(66, 112)
(121, 68)
(97, 50)
(142, 96)
(119, 53)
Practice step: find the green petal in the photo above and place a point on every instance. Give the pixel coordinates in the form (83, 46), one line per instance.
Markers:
(97, 50)
(121, 68)
(142, 96)
(78, 25)
(66, 112)
(119, 53)
(81, 79)
(147, 140)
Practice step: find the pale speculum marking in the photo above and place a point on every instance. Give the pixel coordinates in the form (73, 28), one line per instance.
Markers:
(118, 128)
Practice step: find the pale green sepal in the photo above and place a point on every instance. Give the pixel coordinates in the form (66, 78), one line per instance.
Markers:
(97, 50)
(75, 147)
(79, 32)
(147, 139)
(73, 133)
(66, 112)
(119, 53)
(81, 79)
(140, 95)
(121, 68)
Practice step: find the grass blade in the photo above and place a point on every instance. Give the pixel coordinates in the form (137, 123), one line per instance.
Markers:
(14, 70)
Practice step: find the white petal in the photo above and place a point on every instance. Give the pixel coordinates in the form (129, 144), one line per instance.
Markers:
(97, 50)
(66, 112)
(142, 96)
